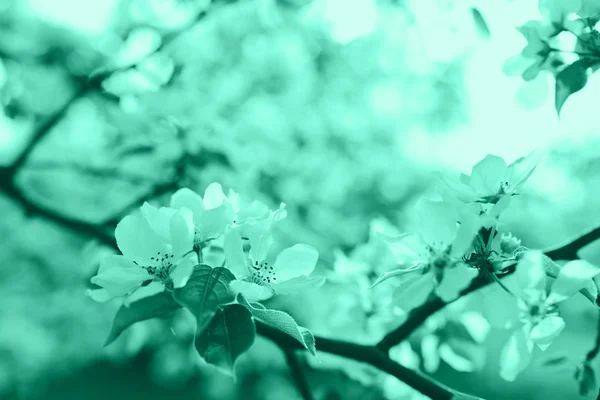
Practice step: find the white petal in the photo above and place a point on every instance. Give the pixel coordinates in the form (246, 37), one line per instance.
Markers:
(454, 280)
(145, 291)
(573, 276)
(458, 189)
(251, 291)
(499, 308)
(429, 351)
(520, 171)
(213, 196)
(119, 276)
(189, 199)
(294, 261)
(454, 360)
(407, 248)
(546, 331)
(397, 272)
(213, 221)
(140, 43)
(488, 174)
(183, 270)
(531, 275)
(158, 220)
(413, 292)
(234, 253)
(437, 222)
(137, 241)
(181, 230)
(99, 295)
(516, 355)
(476, 325)
(298, 284)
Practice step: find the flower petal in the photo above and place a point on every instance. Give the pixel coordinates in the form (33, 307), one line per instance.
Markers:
(455, 280)
(516, 354)
(407, 248)
(234, 253)
(213, 196)
(546, 331)
(99, 295)
(397, 272)
(181, 228)
(151, 289)
(437, 222)
(118, 275)
(183, 270)
(250, 290)
(573, 276)
(456, 361)
(137, 241)
(158, 220)
(429, 350)
(294, 261)
(499, 308)
(413, 291)
(213, 221)
(298, 284)
(187, 198)
(488, 174)
(520, 171)
(531, 276)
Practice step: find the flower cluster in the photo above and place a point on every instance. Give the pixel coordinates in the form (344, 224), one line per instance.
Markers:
(458, 236)
(564, 43)
(161, 246)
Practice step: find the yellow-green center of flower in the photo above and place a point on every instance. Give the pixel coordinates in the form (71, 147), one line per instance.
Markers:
(161, 269)
(262, 273)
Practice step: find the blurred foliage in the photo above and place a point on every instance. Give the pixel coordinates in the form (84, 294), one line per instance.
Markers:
(285, 101)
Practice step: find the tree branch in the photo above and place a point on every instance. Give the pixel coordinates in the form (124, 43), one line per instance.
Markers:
(366, 354)
(297, 373)
(566, 251)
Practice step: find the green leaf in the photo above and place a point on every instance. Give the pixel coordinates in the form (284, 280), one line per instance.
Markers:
(205, 291)
(281, 321)
(161, 305)
(229, 334)
(570, 80)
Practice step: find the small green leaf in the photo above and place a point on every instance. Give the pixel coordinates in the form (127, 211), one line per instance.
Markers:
(570, 80)
(282, 321)
(229, 334)
(161, 305)
(205, 291)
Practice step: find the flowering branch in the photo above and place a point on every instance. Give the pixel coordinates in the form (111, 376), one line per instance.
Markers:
(566, 251)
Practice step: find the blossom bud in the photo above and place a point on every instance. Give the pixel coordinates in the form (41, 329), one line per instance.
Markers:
(509, 243)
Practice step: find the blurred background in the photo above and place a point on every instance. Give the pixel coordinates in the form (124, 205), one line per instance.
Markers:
(340, 109)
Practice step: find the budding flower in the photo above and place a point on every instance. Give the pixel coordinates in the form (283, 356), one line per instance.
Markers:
(508, 243)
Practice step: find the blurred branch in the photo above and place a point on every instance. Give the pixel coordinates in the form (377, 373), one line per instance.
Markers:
(594, 351)
(297, 373)
(566, 251)
(93, 83)
(104, 234)
(367, 354)
(109, 172)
